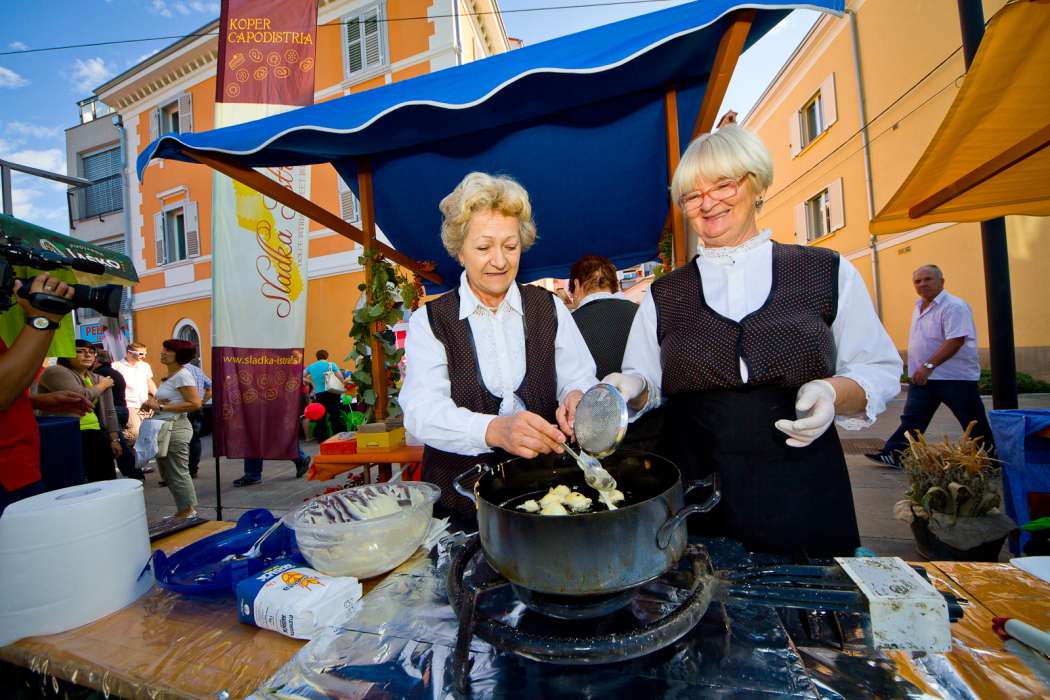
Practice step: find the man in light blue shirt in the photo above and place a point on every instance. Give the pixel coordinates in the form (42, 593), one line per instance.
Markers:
(196, 418)
(314, 373)
(942, 364)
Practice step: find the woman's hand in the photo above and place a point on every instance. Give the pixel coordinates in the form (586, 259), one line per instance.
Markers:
(114, 446)
(150, 404)
(815, 408)
(633, 388)
(524, 434)
(567, 412)
(104, 384)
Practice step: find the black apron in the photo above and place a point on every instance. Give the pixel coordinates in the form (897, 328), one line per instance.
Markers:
(775, 498)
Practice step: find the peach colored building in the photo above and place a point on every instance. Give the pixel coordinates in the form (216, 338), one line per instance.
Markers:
(361, 44)
(901, 64)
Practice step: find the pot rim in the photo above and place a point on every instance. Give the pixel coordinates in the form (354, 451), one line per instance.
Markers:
(490, 471)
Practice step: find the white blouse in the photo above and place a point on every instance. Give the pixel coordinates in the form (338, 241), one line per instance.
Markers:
(736, 281)
(499, 337)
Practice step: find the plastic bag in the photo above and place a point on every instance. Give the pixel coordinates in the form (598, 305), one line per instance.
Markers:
(146, 442)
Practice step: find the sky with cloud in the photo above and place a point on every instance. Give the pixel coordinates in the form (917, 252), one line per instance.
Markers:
(39, 91)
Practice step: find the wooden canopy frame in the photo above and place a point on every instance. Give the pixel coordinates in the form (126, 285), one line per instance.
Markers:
(729, 48)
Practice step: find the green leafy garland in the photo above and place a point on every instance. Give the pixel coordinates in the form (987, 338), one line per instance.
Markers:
(384, 312)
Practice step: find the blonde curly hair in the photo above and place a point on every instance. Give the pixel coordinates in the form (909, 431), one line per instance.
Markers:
(483, 192)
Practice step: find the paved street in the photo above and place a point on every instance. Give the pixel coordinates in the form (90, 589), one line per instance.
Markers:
(875, 489)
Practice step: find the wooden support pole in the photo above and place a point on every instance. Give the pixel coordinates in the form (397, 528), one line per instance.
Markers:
(729, 49)
(368, 227)
(678, 244)
(264, 185)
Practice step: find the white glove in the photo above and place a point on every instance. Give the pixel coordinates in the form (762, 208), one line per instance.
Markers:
(815, 406)
(630, 386)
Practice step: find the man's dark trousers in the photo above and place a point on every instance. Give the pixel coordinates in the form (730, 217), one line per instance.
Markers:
(196, 419)
(960, 396)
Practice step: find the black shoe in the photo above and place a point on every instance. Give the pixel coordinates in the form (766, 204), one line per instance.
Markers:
(883, 459)
(301, 466)
(193, 473)
(247, 481)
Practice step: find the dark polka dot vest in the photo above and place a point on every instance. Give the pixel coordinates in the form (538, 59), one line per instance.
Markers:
(538, 389)
(785, 343)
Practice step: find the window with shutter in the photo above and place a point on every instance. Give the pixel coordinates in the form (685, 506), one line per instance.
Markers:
(349, 211)
(106, 193)
(158, 238)
(116, 246)
(185, 107)
(173, 226)
(193, 238)
(365, 42)
(818, 216)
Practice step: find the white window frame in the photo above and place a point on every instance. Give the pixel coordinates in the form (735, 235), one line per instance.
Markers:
(189, 209)
(366, 72)
(822, 200)
(818, 105)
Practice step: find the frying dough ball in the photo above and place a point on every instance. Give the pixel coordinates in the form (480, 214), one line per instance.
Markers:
(549, 498)
(577, 502)
(554, 508)
(616, 496)
(561, 489)
(530, 506)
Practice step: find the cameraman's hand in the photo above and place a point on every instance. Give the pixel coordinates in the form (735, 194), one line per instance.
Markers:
(48, 285)
(64, 401)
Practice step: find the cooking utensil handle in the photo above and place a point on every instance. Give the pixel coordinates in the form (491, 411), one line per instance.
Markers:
(667, 530)
(457, 483)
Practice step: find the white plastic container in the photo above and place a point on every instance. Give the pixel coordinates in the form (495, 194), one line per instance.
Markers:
(72, 556)
(367, 546)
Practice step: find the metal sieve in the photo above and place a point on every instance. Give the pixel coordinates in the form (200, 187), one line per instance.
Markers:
(601, 420)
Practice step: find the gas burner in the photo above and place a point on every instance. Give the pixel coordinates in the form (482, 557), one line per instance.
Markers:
(574, 607)
(574, 631)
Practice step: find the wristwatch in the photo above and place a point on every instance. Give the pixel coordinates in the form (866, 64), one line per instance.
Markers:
(42, 324)
(929, 365)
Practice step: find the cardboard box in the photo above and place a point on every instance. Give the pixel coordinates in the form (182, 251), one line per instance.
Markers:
(380, 442)
(340, 444)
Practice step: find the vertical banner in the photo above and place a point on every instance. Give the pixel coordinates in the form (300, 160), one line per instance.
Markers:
(267, 52)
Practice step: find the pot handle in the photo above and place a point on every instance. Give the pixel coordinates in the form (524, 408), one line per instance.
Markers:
(663, 535)
(457, 483)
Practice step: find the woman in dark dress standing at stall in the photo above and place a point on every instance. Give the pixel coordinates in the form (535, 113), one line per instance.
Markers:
(755, 347)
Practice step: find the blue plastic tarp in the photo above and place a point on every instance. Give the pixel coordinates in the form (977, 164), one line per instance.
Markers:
(578, 120)
(1026, 460)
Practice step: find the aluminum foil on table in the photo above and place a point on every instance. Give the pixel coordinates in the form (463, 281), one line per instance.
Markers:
(400, 642)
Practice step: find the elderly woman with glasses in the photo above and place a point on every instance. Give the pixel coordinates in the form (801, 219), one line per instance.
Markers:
(99, 428)
(494, 367)
(756, 347)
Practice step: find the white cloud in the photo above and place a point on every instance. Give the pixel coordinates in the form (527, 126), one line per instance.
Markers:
(34, 130)
(18, 46)
(40, 208)
(10, 79)
(211, 8)
(53, 159)
(89, 74)
(161, 8)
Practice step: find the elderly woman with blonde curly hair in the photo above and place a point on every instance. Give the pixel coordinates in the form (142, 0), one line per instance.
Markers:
(478, 387)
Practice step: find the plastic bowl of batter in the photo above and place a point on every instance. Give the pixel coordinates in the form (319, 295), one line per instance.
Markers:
(364, 531)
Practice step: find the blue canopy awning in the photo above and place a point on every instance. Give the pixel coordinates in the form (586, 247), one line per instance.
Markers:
(578, 120)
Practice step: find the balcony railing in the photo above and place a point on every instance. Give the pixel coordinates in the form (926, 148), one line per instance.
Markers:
(103, 196)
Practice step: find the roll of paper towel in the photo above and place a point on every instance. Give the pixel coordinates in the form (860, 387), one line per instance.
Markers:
(71, 556)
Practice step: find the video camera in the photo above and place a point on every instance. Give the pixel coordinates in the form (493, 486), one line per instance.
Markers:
(104, 299)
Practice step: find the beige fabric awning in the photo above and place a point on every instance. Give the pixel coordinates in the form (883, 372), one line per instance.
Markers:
(989, 158)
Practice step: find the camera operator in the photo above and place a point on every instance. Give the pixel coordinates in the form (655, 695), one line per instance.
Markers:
(19, 364)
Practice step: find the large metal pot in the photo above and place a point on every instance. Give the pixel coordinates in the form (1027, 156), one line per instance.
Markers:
(590, 553)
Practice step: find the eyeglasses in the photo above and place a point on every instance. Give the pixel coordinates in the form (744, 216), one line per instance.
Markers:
(727, 189)
(137, 353)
